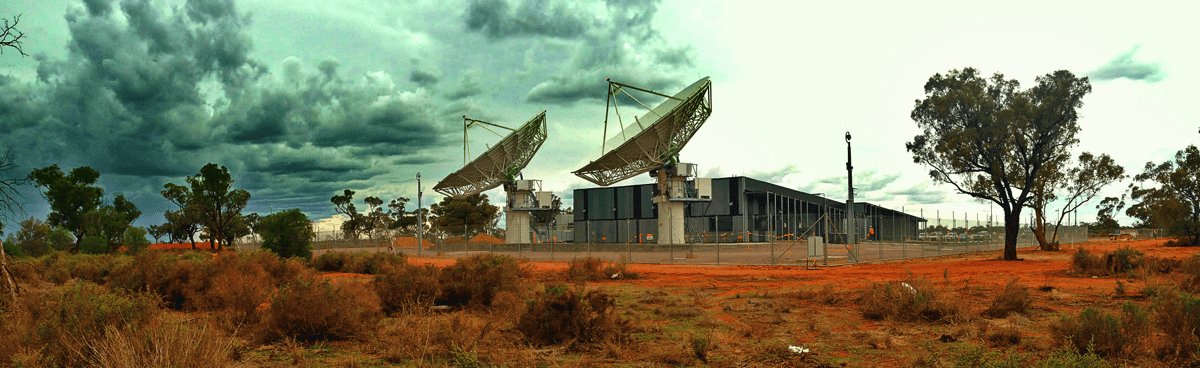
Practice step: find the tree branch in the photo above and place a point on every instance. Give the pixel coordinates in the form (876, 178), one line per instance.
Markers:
(10, 36)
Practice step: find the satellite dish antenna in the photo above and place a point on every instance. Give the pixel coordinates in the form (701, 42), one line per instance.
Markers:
(502, 165)
(652, 144)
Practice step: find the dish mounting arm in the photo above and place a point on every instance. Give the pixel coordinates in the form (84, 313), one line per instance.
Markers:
(467, 123)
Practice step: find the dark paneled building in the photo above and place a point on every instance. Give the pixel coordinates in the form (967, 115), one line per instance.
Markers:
(741, 209)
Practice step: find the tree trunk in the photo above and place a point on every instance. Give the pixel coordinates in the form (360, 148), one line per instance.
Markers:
(1012, 227)
(12, 286)
(1039, 229)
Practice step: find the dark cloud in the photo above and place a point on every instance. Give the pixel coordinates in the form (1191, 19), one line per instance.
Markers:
(148, 94)
(626, 49)
(1123, 66)
(423, 78)
(497, 19)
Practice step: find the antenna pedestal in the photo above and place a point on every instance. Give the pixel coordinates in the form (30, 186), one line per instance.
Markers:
(517, 227)
(678, 185)
(524, 198)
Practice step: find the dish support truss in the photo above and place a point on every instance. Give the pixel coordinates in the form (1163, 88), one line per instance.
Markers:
(653, 147)
(500, 164)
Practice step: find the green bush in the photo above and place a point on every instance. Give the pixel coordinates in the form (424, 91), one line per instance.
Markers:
(93, 245)
(135, 240)
(310, 309)
(474, 281)
(558, 315)
(1102, 333)
(404, 288)
(1069, 358)
(287, 234)
(84, 311)
(1177, 315)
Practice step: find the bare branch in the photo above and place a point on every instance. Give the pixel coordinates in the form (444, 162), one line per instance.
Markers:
(8, 188)
(10, 36)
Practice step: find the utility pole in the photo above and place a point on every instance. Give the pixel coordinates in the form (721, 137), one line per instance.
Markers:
(420, 224)
(850, 232)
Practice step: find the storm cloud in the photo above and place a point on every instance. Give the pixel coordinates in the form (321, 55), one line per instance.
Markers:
(621, 43)
(148, 94)
(1123, 66)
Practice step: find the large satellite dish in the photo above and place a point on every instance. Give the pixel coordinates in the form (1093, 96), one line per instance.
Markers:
(501, 163)
(653, 140)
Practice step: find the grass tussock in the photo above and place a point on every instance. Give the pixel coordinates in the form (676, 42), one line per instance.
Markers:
(559, 315)
(912, 300)
(1105, 334)
(1014, 298)
(160, 344)
(309, 309)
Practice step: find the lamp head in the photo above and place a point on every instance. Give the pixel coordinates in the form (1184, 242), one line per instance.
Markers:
(418, 175)
(847, 137)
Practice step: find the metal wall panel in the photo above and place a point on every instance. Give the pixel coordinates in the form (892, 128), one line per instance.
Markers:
(624, 202)
(600, 204)
(580, 205)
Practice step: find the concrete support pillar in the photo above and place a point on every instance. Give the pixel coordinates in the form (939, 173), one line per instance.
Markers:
(670, 222)
(517, 227)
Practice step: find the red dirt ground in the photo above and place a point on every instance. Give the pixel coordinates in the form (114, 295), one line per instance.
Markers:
(1037, 268)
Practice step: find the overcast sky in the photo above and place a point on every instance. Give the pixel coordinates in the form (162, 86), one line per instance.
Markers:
(302, 99)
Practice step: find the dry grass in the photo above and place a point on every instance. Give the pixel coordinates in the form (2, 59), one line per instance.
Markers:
(430, 337)
(160, 344)
(1015, 298)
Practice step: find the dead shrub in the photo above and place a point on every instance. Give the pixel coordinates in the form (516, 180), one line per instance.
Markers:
(1105, 334)
(584, 269)
(1086, 263)
(1015, 298)
(309, 309)
(1116, 262)
(913, 300)
(407, 289)
(473, 282)
(619, 271)
(1183, 241)
(1177, 315)
(828, 295)
(357, 262)
(558, 315)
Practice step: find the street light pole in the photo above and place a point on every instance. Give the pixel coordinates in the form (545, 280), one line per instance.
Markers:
(850, 232)
(420, 224)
